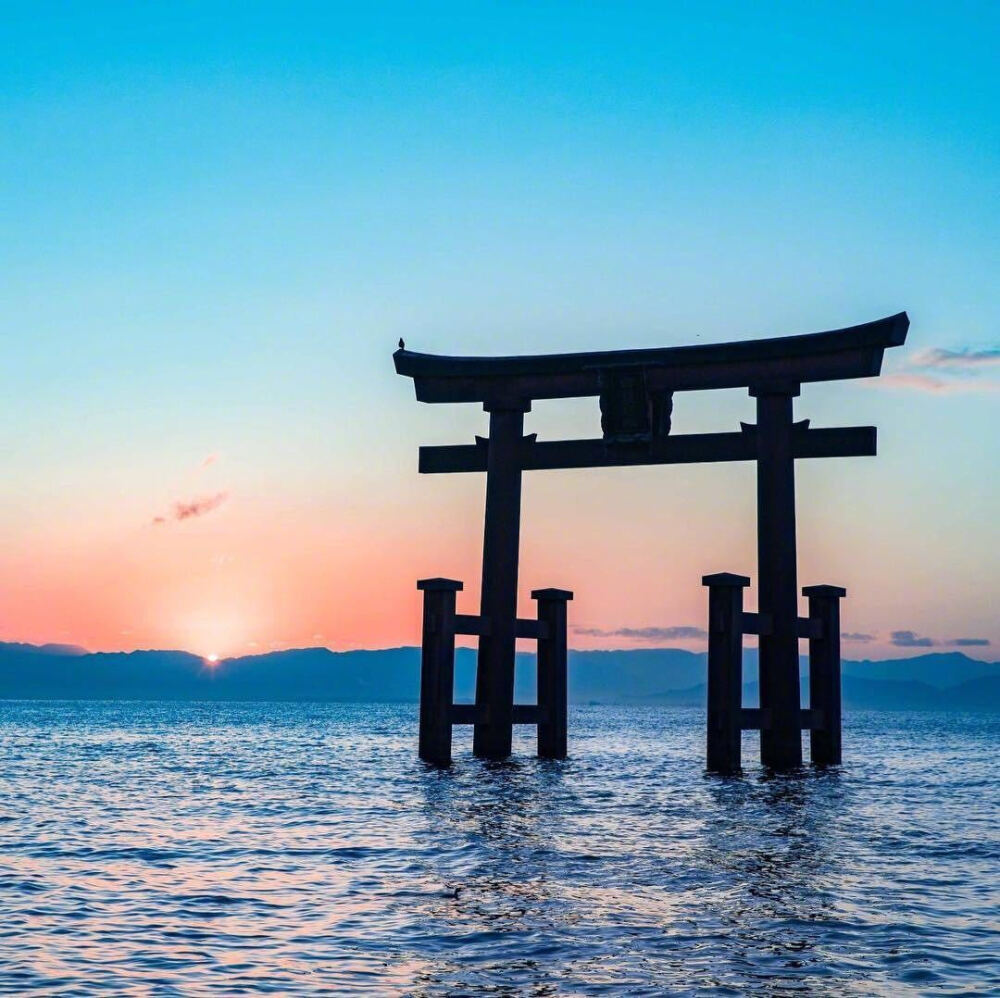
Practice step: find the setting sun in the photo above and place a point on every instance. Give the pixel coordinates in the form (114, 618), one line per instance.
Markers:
(212, 659)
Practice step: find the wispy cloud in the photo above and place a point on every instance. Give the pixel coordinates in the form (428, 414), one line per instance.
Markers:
(855, 636)
(193, 508)
(199, 507)
(934, 385)
(909, 639)
(680, 633)
(942, 371)
(209, 460)
(964, 359)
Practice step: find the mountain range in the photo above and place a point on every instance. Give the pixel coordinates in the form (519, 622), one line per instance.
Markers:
(942, 681)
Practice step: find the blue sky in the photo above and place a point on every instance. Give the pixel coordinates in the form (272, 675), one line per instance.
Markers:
(219, 218)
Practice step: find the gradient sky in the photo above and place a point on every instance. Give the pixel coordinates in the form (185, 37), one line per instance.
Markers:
(218, 219)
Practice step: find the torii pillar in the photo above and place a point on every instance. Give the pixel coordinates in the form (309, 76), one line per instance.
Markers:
(492, 737)
(777, 586)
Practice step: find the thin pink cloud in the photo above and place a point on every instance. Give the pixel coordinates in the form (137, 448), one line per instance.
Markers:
(942, 371)
(915, 381)
(199, 507)
(963, 360)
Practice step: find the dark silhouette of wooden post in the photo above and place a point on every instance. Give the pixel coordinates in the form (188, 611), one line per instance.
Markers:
(552, 672)
(498, 608)
(777, 593)
(824, 673)
(437, 669)
(725, 670)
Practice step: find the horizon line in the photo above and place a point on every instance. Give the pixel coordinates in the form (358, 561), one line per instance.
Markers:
(81, 651)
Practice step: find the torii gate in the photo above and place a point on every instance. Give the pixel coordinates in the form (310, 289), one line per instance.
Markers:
(636, 389)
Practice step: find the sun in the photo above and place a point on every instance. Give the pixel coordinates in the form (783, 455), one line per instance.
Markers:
(212, 659)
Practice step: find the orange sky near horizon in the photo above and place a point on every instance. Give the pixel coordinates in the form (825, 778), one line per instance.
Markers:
(268, 569)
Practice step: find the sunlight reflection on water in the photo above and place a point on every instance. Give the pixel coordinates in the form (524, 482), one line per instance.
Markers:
(281, 847)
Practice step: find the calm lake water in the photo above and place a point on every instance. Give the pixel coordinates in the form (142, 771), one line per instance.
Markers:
(155, 848)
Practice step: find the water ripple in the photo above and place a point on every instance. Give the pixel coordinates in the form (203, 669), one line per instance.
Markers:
(235, 848)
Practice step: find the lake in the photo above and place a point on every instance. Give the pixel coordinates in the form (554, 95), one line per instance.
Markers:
(201, 848)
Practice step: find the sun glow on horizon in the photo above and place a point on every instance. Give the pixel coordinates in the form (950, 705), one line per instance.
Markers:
(208, 622)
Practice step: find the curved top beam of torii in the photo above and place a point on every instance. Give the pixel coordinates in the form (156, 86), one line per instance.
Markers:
(852, 352)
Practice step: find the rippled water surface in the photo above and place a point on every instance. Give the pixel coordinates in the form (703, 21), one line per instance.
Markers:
(210, 848)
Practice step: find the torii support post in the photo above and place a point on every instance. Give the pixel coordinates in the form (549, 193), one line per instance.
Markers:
(824, 673)
(725, 671)
(492, 736)
(777, 596)
(552, 672)
(437, 669)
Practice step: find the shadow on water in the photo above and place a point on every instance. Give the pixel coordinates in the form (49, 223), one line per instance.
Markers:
(776, 839)
(488, 825)
(736, 891)
(633, 873)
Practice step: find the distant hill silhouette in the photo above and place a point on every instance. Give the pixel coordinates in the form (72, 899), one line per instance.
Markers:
(651, 675)
(49, 649)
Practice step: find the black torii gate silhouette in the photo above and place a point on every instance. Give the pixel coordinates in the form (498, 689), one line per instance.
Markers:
(636, 389)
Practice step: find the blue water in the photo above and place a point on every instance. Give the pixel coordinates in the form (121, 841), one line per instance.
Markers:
(235, 848)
